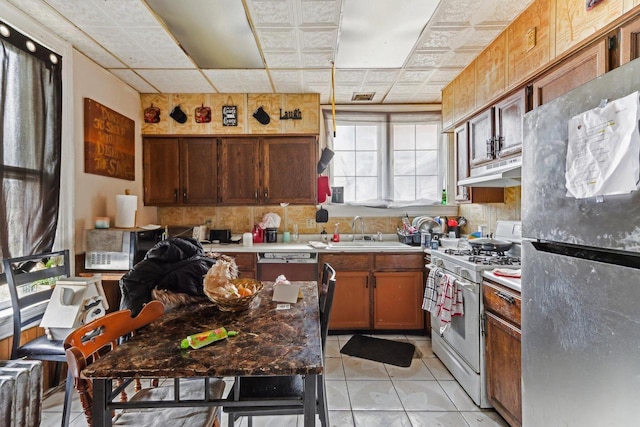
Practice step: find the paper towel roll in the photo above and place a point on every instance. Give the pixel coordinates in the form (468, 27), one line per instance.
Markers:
(126, 207)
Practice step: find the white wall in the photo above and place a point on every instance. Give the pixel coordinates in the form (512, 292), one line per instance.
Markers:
(96, 194)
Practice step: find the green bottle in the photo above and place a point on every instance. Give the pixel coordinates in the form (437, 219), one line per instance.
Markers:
(444, 196)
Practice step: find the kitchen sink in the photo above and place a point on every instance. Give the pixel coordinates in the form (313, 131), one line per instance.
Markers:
(367, 244)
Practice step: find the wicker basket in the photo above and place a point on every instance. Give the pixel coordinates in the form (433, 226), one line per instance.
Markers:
(230, 302)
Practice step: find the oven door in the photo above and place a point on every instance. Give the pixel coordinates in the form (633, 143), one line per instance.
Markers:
(463, 333)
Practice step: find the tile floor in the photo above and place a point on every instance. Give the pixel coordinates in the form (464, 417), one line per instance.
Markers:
(362, 393)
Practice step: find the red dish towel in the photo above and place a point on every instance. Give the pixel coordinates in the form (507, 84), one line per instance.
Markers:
(323, 189)
(507, 273)
(449, 303)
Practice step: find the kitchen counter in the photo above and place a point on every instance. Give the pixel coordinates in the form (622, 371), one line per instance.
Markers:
(510, 282)
(303, 247)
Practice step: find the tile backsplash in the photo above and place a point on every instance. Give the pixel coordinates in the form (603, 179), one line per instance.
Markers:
(241, 219)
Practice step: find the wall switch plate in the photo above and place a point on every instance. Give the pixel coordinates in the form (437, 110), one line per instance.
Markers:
(310, 223)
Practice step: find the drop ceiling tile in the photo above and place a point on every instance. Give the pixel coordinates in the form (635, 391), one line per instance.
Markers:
(288, 88)
(82, 13)
(404, 89)
(266, 13)
(317, 59)
(317, 76)
(350, 76)
(445, 75)
(137, 59)
(239, 81)
(96, 53)
(443, 38)
(460, 58)
(134, 80)
(381, 76)
(319, 39)
(427, 59)
(478, 37)
(177, 81)
(316, 12)
(111, 38)
(277, 39)
(153, 38)
(171, 58)
(128, 13)
(286, 76)
(323, 90)
(282, 59)
(414, 76)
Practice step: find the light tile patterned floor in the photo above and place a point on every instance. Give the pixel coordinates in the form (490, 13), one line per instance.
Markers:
(362, 393)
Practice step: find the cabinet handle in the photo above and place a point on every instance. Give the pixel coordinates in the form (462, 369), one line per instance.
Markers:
(175, 195)
(184, 196)
(490, 148)
(266, 194)
(366, 283)
(497, 146)
(256, 195)
(507, 298)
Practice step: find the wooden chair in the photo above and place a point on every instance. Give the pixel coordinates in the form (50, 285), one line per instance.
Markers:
(289, 389)
(30, 284)
(90, 341)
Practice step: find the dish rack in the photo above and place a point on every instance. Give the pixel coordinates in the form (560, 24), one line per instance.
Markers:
(409, 239)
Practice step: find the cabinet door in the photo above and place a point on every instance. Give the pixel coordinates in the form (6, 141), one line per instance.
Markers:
(481, 137)
(351, 301)
(508, 124)
(583, 67)
(289, 170)
(198, 158)
(161, 166)
(503, 368)
(398, 300)
(630, 41)
(239, 170)
(461, 144)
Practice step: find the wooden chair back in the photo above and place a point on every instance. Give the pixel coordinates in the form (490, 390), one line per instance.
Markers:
(88, 342)
(325, 299)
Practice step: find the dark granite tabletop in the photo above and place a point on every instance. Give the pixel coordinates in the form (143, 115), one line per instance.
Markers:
(269, 342)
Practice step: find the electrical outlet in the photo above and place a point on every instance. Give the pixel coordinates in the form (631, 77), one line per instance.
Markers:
(310, 223)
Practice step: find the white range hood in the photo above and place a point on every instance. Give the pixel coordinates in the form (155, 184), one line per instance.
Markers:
(505, 173)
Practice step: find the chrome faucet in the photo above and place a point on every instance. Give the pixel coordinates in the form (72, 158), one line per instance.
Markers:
(353, 225)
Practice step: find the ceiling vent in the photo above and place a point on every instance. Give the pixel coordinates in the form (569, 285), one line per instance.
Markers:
(363, 96)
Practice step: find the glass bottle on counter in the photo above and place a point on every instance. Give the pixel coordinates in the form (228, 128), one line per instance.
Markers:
(323, 235)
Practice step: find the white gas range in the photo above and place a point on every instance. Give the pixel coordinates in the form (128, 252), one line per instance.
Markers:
(461, 347)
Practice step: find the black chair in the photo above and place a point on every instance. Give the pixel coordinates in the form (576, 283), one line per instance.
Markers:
(289, 389)
(30, 282)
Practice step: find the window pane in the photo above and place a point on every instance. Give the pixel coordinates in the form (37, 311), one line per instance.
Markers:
(404, 137)
(366, 162)
(366, 188)
(427, 137)
(404, 163)
(427, 163)
(427, 187)
(345, 138)
(404, 188)
(367, 138)
(344, 163)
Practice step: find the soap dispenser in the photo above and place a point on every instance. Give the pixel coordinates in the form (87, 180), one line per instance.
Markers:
(336, 234)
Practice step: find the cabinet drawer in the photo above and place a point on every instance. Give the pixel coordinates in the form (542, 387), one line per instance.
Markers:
(413, 261)
(502, 301)
(346, 262)
(244, 261)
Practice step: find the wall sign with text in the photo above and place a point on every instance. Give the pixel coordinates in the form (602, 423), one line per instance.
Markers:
(109, 142)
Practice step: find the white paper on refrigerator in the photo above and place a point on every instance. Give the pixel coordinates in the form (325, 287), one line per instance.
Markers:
(603, 152)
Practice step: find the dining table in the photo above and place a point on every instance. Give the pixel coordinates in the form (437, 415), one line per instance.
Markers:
(273, 339)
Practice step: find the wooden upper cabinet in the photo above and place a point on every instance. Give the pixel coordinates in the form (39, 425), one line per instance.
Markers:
(464, 92)
(268, 170)
(528, 42)
(491, 71)
(630, 41)
(180, 171)
(481, 134)
(586, 65)
(447, 107)
(508, 114)
(239, 168)
(461, 147)
(575, 24)
(289, 169)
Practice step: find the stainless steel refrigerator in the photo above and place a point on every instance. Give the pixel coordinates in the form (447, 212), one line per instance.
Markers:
(580, 278)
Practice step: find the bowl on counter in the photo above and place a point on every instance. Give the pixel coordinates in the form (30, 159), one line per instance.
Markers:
(449, 242)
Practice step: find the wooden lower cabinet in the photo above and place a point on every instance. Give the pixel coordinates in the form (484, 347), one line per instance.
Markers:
(246, 262)
(503, 351)
(398, 300)
(377, 291)
(351, 301)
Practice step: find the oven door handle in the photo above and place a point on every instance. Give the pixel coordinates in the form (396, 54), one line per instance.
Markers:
(471, 287)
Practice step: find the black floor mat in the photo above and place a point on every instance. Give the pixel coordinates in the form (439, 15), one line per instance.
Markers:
(380, 350)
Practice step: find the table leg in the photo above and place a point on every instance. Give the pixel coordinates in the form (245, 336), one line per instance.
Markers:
(100, 411)
(310, 400)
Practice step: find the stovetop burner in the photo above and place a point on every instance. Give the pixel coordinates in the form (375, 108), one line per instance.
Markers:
(499, 259)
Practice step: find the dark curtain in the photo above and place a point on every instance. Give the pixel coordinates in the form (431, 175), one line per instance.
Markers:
(30, 130)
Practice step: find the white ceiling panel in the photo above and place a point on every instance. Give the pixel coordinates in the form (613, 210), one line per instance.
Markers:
(296, 41)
